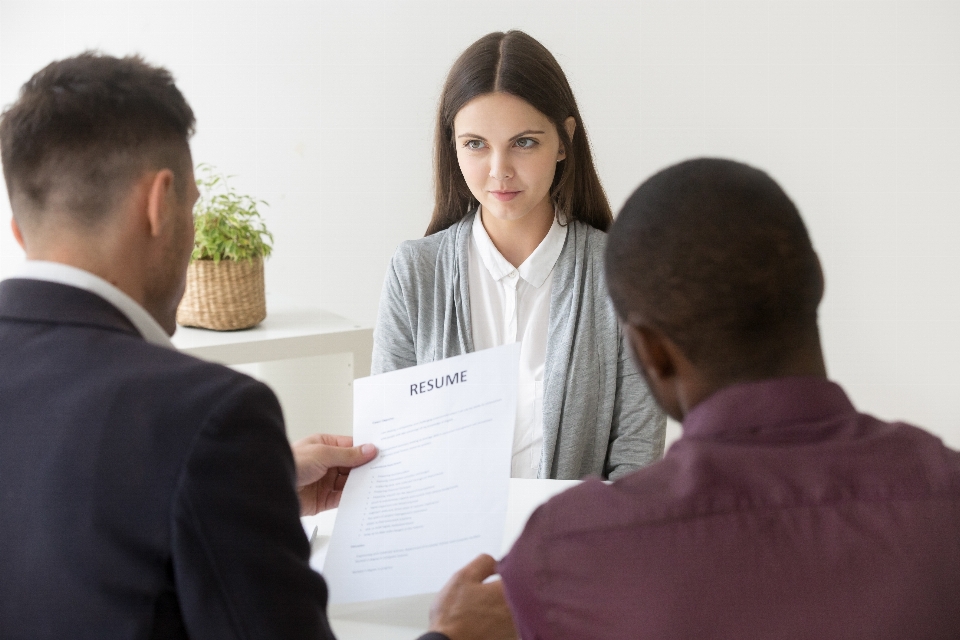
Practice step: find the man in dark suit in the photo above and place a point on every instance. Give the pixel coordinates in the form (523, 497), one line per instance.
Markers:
(144, 493)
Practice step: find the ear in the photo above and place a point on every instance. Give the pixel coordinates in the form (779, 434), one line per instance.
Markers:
(657, 358)
(652, 352)
(16, 233)
(570, 124)
(823, 282)
(160, 197)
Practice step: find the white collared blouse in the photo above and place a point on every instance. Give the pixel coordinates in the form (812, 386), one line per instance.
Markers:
(508, 305)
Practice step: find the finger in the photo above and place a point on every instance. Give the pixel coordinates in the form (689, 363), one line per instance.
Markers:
(492, 589)
(309, 440)
(333, 500)
(335, 440)
(479, 569)
(348, 457)
(305, 459)
(312, 461)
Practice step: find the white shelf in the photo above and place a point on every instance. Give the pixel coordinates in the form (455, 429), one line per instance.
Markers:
(289, 331)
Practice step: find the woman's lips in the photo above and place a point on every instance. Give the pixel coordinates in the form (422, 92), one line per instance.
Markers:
(504, 196)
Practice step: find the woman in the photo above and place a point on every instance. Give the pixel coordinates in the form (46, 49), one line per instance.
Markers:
(514, 252)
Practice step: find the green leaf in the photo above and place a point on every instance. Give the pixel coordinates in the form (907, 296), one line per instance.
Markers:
(227, 225)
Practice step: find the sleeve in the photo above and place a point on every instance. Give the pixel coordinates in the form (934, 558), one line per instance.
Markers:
(393, 341)
(520, 572)
(639, 425)
(241, 559)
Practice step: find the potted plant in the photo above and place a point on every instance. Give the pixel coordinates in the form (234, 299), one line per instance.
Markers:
(225, 288)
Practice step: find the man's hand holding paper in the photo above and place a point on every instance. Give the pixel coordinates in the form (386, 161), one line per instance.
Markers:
(468, 607)
(323, 463)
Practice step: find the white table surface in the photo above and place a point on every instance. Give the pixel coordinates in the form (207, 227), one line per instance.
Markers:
(289, 331)
(406, 618)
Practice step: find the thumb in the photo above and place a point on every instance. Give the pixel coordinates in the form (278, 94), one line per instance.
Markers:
(349, 457)
(479, 569)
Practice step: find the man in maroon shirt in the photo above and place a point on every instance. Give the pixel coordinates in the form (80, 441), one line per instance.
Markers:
(782, 512)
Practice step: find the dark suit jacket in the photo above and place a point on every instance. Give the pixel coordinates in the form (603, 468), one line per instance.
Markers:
(143, 493)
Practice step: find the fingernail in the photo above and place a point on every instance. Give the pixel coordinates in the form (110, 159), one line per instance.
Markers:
(367, 449)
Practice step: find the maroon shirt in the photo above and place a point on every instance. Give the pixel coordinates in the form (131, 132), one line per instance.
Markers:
(780, 513)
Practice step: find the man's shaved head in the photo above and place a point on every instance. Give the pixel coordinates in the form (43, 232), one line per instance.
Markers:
(714, 254)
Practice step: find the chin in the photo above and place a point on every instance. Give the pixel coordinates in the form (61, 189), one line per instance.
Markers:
(507, 211)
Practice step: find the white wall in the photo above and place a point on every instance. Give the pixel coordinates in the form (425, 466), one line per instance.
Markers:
(325, 109)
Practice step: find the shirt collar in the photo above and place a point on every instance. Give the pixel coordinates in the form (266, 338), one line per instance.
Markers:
(538, 265)
(767, 403)
(148, 327)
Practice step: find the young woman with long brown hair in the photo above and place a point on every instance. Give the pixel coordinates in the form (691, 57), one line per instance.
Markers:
(514, 253)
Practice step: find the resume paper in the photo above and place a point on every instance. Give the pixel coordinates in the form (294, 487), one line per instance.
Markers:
(436, 495)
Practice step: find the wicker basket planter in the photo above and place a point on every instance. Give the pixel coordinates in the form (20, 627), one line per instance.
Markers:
(224, 296)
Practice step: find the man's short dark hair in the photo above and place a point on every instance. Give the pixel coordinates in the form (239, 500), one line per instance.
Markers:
(715, 255)
(83, 128)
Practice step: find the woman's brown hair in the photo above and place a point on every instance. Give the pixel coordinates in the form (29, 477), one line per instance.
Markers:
(515, 63)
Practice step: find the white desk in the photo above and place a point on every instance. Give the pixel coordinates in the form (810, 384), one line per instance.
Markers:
(406, 618)
(288, 332)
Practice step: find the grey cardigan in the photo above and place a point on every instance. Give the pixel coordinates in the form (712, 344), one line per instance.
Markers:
(598, 415)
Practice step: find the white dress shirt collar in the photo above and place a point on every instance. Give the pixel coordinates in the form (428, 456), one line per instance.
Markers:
(148, 327)
(538, 264)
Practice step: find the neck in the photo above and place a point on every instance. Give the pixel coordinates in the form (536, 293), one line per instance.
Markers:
(517, 239)
(107, 263)
(806, 361)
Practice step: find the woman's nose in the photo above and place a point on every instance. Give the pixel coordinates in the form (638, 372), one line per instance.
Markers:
(500, 167)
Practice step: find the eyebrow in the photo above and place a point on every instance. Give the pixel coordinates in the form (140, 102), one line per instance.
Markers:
(519, 135)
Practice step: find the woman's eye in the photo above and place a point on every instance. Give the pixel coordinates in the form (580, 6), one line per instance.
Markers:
(474, 145)
(526, 143)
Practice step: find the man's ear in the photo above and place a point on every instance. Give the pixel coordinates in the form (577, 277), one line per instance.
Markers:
(652, 350)
(17, 235)
(823, 283)
(659, 362)
(160, 198)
